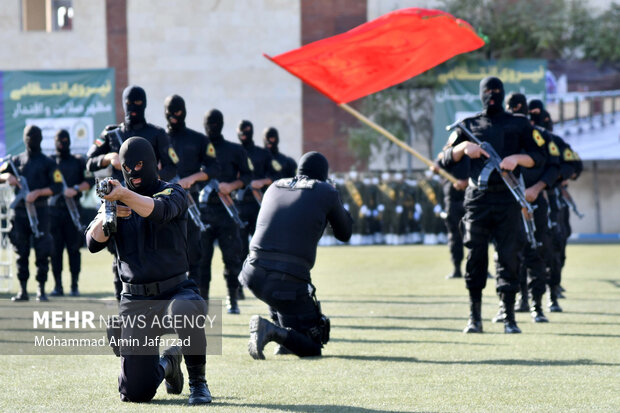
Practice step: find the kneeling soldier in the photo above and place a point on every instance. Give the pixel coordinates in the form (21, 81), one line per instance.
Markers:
(151, 248)
(290, 223)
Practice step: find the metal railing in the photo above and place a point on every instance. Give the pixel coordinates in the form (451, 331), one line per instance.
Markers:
(584, 107)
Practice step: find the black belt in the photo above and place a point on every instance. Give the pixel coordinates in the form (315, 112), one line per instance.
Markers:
(278, 256)
(156, 288)
(489, 188)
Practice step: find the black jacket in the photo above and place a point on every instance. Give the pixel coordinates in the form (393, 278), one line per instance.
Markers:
(109, 141)
(154, 248)
(292, 220)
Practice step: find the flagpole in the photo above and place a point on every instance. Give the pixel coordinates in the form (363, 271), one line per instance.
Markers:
(397, 141)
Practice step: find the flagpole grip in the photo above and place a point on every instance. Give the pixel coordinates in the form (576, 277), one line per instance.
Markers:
(397, 141)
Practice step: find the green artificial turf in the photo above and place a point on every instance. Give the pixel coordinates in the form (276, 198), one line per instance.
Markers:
(396, 345)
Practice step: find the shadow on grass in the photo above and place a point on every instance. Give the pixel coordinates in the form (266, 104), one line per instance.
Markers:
(394, 328)
(615, 283)
(362, 341)
(500, 362)
(392, 302)
(309, 408)
(396, 317)
(591, 313)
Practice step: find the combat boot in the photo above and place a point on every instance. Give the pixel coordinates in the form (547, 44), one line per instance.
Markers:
(280, 350)
(74, 286)
(554, 307)
(41, 296)
(537, 313)
(198, 389)
(522, 306)
(510, 325)
(474, 325)
(22, 295)
(171, 362)
(57, 291)
(261, 333)
(455, 274)
(231, 302)
(500, 317)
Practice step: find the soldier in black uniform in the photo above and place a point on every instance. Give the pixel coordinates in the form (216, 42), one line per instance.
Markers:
(492, 213)
(197, 164)
(290, 223)
(151, 245)
(536, 180)
(266, 170)
(570, 168)
(104, 151)
(454, 196)
(64, 231)
(271, 140)
(44, 180)
(236, 173)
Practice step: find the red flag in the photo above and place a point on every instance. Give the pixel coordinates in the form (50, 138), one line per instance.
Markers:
(380, 53)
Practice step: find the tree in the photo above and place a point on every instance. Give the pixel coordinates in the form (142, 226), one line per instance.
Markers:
(406, 110)
(551, 29)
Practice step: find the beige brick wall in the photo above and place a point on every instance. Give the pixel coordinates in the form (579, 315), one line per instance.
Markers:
(210, 52)
(83, 47)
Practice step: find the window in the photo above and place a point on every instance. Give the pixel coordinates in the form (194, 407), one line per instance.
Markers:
(46, 15)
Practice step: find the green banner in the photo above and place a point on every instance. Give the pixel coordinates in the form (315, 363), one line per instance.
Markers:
(458, 94)
(80, 101)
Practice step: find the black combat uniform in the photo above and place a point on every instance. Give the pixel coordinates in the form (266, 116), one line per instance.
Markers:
(264, 167)
(40, 172)
(493, 214)
(111, 139)
(570, 168)
(152, 257)
(290, 223)
(65, 233)
(455, 210)
(271, 140)
(235, 165)
(533, 267)
(196, 154)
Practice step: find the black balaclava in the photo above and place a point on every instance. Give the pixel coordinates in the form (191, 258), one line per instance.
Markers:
(172, 105)
(547, 123)
(245, 133)
(63, 143)
(314, 166)
(32, 139)
(537, 106)
(134, 101)
(133, 151)
(214, 123)
(492, 83)
(271, 139)
(517, 103)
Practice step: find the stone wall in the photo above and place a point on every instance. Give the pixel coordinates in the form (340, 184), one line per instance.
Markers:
(84, 47)
(210, 53)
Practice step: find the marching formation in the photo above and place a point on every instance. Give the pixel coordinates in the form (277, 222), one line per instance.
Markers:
(171, 194)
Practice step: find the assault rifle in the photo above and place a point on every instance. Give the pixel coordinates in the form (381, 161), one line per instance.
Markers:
(24, 190)
(570, 201)
(72, 208)
(226, 200)
(517, 189)
(104, 187)
(194, 213)
(256, 194)
(192, 208)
